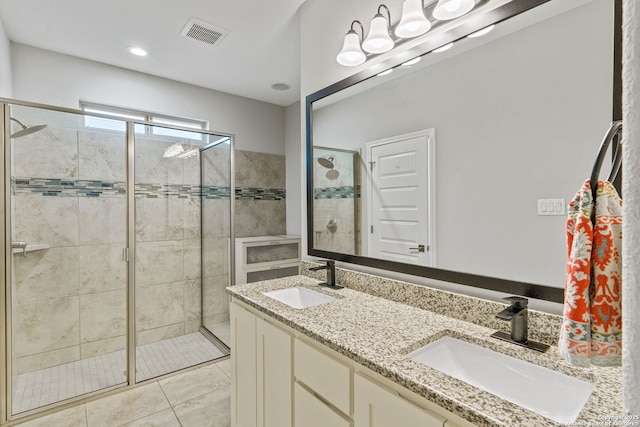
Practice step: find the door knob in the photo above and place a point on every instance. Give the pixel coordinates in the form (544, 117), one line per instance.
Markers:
(420, 248)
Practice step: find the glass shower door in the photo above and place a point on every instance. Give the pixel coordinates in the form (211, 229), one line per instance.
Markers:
(68, 294)
(168, 259)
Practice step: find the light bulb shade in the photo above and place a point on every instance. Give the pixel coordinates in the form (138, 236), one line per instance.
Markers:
(378, 40)
(351, 53)
(451, 9)
(413, 22)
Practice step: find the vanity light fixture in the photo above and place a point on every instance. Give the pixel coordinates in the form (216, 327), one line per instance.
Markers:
(413, 22)
(451, 9)
(138, 51)
(378, 39)
(443, 48)
(482, 32)
(351, 53)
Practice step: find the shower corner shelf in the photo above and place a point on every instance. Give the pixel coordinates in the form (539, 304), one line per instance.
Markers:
(31, 248)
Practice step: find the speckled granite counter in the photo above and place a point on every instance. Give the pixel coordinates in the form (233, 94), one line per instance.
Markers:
(377, 333)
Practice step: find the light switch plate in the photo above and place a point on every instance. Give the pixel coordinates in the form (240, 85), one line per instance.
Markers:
(551, 207)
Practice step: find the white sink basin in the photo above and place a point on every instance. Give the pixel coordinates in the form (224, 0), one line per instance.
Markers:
(299, 297)
(555, 395)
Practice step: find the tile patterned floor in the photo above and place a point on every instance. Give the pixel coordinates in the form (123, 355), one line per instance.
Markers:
(45, 386)
(196, 398)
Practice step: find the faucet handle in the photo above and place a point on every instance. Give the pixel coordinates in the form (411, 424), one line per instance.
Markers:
(517, 302)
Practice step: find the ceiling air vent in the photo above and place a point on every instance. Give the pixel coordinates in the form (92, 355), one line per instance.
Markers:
(203, 31)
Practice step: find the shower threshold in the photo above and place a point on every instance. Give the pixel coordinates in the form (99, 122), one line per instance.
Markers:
(50, 385)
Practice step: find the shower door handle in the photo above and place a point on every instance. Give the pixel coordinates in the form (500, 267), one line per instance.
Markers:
(19, 244)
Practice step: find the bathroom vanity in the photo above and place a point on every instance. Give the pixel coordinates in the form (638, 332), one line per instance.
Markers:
(342, 359)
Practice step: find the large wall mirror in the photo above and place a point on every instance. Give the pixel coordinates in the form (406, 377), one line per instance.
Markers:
(459, 167)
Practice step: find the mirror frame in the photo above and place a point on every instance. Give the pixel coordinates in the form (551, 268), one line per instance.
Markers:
(475, 23)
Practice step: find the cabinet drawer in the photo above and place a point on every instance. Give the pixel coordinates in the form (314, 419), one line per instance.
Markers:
(312, 412)
(325, 375)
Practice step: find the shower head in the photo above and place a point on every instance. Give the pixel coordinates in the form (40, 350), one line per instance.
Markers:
(326, 162)
(26, 130)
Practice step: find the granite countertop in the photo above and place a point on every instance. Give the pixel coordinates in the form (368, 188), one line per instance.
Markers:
(378, 333)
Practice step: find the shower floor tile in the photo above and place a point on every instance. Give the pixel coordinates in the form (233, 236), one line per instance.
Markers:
(45, 386)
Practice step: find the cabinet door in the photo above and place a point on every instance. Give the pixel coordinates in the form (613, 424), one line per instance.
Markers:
(375, 405)
(312, 412)
(274, 374)
(243, 365)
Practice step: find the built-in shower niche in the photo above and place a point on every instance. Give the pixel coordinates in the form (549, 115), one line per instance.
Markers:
(336, 192)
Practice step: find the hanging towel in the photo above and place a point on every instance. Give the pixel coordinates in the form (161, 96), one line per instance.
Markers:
(592, 320)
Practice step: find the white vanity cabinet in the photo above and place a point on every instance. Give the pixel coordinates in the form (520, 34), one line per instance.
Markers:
(261, 394)
(282, 378)
(266, 257)
(376, 405)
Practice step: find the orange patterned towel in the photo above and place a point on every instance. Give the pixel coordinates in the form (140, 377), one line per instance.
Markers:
(592, 321)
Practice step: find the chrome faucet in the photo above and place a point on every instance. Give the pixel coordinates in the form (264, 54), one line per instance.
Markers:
(331, 275)
(518, 314)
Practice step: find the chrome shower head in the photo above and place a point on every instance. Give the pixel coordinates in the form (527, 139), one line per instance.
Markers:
(26, 130)
(326, 162)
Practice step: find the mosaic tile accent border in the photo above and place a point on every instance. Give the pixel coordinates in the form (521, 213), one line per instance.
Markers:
(347, 192)
(67, 187)
(86, 188)
(251, 193)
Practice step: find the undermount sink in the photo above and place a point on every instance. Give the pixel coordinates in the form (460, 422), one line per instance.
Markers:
(299, 297)
(547, 392)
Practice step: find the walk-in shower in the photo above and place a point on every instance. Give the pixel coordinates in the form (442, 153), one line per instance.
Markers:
(116, 255)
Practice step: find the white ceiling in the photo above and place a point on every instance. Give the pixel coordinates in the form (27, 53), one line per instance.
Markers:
(261, 48)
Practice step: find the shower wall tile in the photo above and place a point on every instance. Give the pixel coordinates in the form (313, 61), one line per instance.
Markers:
(102, 156)
(259, 170)
(50, 153)
(217, 170)
(151, 255)
(191, 326)
(47, 359)
(102, 221)
(102, 268)
(213, 294)
(47, 274)
(46, 325)
(104, 346)
(215, 257)
(151, 166)
(216, 218)
(191, 170)
(345, 215)
(51, 221)
(103, 315)
(159, 334)
(192, 259)
(159, 219)
(191, 225)
(260, 218)
(159, 305)
(192, 300)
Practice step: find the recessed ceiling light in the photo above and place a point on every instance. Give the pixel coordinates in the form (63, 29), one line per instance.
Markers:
(384, 73)
(411, 62)
(138, 51)
(482, 32)
(280, 86)
(443, 48)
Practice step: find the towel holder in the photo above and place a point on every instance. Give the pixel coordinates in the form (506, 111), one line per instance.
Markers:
(614, 130)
